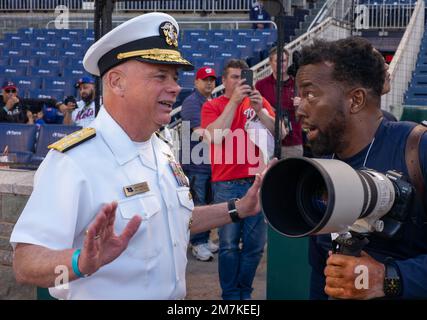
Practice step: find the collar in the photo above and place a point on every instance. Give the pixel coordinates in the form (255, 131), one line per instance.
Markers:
(115, 137)
(199, 95)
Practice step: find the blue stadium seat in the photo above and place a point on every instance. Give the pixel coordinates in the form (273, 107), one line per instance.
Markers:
(23, 45)
(59, 84)
(246, 50)
(16, 37)
(76, 33)
(13, 71)
(75, 46)
(73, 72)
(18, 137)
(27, 83)
(49, 134)
(23, 61)
(45, 52)
(4, 44)
(13, 52)
(49, 45)
(71, 53)
(44, 71)
(4, 61)
(47, 94)
(48, 62)
(186, 79)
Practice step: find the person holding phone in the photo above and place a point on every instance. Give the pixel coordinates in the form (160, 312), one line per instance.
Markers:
(292, 144)
(234, 166)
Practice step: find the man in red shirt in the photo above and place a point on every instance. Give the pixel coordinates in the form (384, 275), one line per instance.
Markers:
(235, 160)
(292, 143)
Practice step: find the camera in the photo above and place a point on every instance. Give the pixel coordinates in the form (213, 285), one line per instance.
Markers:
(70, 99)
(307, 196)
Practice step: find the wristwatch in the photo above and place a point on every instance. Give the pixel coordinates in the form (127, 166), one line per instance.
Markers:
(392, 283)
(232, 211)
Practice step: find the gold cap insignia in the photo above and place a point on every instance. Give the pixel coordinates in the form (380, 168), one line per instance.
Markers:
(168, 30)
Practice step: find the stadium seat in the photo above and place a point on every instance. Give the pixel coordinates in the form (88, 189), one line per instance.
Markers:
(186, 79)
(59, 84)
(47, 94)
(44, 71)
(27, 83)
(48, 62)
(4, 61)
(23, 61)
(13, 52)
(17, 137)
(49, 134)
(13, 71)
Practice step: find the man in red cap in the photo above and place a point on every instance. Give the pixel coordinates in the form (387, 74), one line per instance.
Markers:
(11, 109)
(199, 174)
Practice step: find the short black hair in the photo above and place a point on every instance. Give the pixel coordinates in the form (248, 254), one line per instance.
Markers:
(354, 59)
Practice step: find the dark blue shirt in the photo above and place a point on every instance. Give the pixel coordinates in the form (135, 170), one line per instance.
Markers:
(191, 111)
(410, 251)
(258, 13)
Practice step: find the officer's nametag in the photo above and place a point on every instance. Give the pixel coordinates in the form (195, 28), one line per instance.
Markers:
(136, 189)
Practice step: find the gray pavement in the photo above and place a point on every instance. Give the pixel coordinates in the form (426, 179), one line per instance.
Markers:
(203, 281)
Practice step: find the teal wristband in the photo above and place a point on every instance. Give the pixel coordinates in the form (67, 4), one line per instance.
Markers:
(75, 264)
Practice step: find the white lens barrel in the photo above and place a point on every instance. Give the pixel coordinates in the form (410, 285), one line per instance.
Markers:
(345, 195)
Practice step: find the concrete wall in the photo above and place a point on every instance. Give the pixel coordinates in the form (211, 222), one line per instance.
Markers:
(15, 188)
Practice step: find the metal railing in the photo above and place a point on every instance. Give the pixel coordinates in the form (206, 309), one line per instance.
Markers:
(383, 14)
(146, 5)
(224, 24)
(367, 14)
(404, 61)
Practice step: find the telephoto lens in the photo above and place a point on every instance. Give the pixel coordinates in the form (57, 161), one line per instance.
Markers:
(306, 196)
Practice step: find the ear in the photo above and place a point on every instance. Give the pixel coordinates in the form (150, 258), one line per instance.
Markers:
(116, 81)
(358, 99)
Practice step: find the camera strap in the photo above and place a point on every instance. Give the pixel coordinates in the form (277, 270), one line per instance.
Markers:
(412, 158)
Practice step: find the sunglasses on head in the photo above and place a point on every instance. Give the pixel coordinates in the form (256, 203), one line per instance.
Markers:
(10, 90)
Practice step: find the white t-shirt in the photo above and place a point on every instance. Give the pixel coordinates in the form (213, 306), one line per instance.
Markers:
(84, 114)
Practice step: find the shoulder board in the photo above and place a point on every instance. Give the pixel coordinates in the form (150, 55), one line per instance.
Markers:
(73, 140)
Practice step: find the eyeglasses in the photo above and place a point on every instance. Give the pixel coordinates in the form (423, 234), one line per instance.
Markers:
(10, 90)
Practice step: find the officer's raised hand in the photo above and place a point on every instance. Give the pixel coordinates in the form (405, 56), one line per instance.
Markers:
(102, 245)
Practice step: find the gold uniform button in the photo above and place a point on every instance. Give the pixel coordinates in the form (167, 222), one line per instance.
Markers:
(190, 197)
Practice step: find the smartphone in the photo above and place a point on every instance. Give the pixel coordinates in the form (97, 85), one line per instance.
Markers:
(248, 74)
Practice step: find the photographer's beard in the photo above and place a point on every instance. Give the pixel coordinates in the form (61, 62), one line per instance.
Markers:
(88, 97)
(330, 139)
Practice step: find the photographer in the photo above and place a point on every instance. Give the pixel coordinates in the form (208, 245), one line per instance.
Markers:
(83, 112)
(11, 109)
(340, 85)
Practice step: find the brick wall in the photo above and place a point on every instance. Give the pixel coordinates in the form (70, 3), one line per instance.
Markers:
(15, 188)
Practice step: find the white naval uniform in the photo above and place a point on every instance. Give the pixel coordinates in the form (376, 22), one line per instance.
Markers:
(71, 187)
(84, 114)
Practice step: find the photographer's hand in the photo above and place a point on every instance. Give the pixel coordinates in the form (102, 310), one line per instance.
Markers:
(345, 278)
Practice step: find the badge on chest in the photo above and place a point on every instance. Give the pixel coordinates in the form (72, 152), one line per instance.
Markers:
(177, 171)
